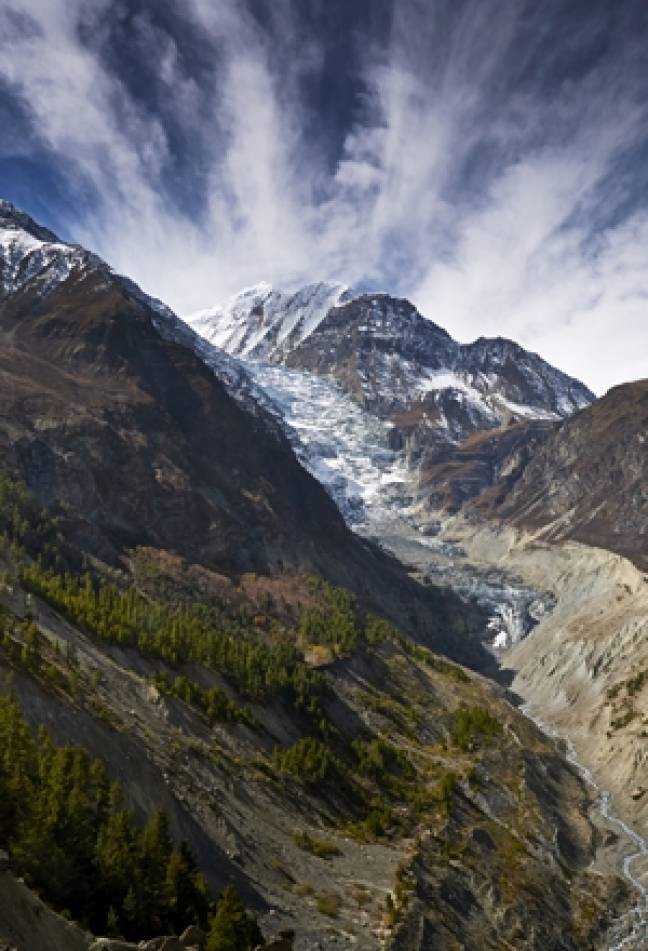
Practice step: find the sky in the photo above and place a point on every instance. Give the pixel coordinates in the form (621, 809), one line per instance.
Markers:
(487, 159)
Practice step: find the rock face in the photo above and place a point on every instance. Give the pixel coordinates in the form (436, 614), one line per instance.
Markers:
(585, 479)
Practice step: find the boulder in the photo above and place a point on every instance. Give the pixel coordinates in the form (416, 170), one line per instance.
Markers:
(167, 943)
(284, 941)
(112, 944)
(193, 937)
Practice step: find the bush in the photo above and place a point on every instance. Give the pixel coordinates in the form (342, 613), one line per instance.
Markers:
(377, 757)
(447, 790)
(379, 818)
(328, 903)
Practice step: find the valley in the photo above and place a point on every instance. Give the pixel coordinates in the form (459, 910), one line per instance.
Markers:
(566, 622)
(529, 593)
(228, 577)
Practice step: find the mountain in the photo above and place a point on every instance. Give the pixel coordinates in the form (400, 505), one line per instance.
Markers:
(183, 601)
(263, 323)
(480, 465)
(586, 479)
(392, 360)
(104, 413)
(146, 435)
(381, 404)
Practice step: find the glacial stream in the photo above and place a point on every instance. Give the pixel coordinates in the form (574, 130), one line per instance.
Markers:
(631, 930)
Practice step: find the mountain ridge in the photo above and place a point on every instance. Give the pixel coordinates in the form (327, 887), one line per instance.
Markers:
(397, 365)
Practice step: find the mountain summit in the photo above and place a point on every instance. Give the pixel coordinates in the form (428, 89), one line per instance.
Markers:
(376, 398)
(390, 358)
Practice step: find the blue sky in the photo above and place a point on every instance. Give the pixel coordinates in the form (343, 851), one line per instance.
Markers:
(487, 159)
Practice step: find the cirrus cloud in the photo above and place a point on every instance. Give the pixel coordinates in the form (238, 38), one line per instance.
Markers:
(486, 160)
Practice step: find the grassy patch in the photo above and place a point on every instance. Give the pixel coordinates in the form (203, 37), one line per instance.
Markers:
(328, 903)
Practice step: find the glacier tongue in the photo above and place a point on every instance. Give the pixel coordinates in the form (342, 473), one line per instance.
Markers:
(343, 446)
(348, 450)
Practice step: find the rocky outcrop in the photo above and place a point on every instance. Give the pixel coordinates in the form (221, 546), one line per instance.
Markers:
(452, 475)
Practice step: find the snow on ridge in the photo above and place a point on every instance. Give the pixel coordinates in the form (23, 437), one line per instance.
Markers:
(25, 257)
(282, 319)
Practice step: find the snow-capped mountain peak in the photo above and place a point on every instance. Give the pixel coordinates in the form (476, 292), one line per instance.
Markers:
(281, 320)
(369, 389)
(389, 357)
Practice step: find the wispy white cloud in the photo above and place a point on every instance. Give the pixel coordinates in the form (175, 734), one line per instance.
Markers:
(473, 177)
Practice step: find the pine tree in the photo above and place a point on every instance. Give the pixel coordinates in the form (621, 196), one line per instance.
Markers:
(231, 928)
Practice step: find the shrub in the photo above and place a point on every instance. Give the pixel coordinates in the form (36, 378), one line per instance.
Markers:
(318, 847)
(308, 759)
(328, 903)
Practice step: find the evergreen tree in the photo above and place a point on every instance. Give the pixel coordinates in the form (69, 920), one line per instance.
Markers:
(231, 928)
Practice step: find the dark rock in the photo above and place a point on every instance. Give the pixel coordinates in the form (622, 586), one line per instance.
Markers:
(112, 944)
(167, 943)
(284, 941)
(193, 937)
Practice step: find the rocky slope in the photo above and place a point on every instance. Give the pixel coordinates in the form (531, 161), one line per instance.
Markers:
(476, 828)
(27, 922)
(584, 668)
(586, 479)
